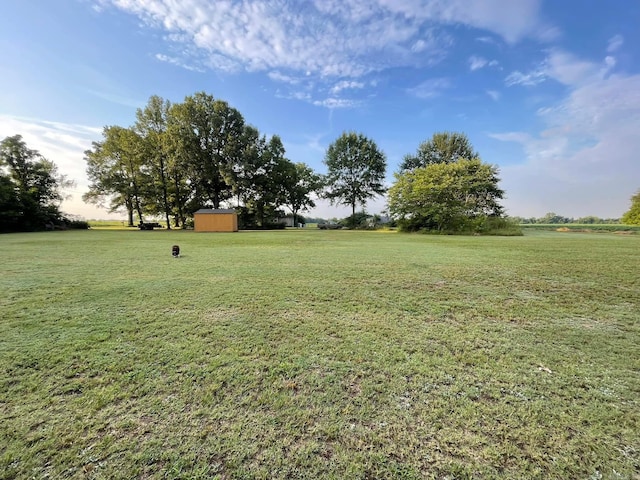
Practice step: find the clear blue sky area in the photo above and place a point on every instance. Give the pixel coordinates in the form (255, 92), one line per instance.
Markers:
(547, 90)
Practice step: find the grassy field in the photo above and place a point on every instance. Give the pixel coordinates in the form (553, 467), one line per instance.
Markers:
(583, 227)
(319, 354)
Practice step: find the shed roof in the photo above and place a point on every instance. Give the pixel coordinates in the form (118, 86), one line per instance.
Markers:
(216, 210)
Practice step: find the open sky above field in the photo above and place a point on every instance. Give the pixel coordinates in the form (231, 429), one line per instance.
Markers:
(549, 91)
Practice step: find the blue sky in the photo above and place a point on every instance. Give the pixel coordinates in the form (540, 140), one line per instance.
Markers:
(547, 90)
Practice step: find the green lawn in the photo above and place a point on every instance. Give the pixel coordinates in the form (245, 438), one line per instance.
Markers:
(583, 227)
(319, 354)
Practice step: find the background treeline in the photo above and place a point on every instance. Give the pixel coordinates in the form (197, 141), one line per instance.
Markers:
(178, 158)
(553, 218)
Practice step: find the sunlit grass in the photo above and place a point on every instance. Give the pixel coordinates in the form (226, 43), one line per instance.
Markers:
(319, 354)
(109, 225)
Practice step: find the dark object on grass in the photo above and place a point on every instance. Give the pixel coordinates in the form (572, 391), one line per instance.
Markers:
(149, 226)
(175, 251)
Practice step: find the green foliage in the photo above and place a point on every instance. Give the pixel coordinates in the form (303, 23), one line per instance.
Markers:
(632, 216)
(300, 182)
(444, 147)
(446, 197)
(116, 170)
(497, 226)
(30, 188)
(553, 218)
(209, 134)
(198, 153)
(10, 208)
(152, 124)
(76, 224)
(262, 178)
(361, 221)
(319, 354)
(356, 170)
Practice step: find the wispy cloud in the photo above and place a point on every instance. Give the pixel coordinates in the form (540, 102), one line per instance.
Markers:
(430, 88)
(64, 144)
(494, 94)
(178, 62)
(325, 38)
(529, 79)
(565, 68)
(476, 63)
(344, 85)
(335, 103)
(586, 157)
(277, 76)
(615, 43)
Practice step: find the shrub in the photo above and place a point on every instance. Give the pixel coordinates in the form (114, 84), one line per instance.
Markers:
(76, 224)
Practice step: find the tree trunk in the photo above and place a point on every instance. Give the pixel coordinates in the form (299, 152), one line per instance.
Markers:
(129, 204)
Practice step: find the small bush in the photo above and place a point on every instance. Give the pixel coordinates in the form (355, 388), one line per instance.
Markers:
(498, 226)
(464, 226)
(77, 224)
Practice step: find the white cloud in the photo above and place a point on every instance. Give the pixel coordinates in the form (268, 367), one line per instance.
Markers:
(564, 67)
(281, 77)
(568, 69)
(333, 103)
(527, 79)
(476, 63)
(178, 62)
(615, 43)
(586, 158)
(511, 20)
(430, 88)
(64, 144)
(327, 38)
(494, 94)
(295, 95)
(344, 84)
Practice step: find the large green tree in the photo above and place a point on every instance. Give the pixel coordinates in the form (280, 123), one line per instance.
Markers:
(443, 147)
(632, 216)
(151, 125)
(356, 170)
(209, 143)
(117, 172)
(30, 187)
(10, 208)
(451, 197)
(300, 184)
(264, 170)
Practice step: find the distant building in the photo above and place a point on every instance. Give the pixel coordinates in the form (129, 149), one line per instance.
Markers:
(288, 221)
(215, 220)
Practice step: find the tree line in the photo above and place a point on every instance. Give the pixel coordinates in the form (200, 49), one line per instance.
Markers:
(200, 153)
(553, 218)
(178, 158)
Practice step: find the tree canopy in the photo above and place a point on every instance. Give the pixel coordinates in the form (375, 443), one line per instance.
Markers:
(356, 170)
(199, 153)
(451, 197)
(301, 183)
(443, 147)
(30, 188)
(632, 216)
